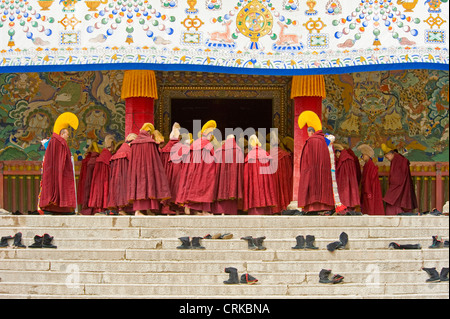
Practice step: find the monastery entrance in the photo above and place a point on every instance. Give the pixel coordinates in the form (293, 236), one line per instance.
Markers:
(228, 113)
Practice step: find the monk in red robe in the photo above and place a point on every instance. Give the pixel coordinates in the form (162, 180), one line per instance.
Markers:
(371, 196)
(346, 178)
(315, 192)
(260, 192)
(230, 177)
(283, 173)
(180, 158)
(87, 183)
(98, 200)
(197, 188)
(400, 196)
(57, 193)
(148, 182)
(172, 170)
(118, 182)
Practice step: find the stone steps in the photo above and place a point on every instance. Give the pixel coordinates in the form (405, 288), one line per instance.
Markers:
(136, 257)
(220, 289)
(287, 278)
(217, 244)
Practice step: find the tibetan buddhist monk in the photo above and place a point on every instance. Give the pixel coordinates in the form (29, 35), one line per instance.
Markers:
(148, 181)
(172, 169)
(260, 192)
(180, 158)
(230, 178)
(346, 178)
(197, 186)
(371, 196)
(315, 192)
(283, 173)
(87, 183)
(400, 196)
(98, 200)
(57, 193)
(118, 182)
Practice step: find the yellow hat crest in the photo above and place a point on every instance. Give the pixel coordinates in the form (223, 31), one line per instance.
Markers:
(367, 150)
(64, 121)
(148, 127)
(208, 127)
(311, 119)
(253, 141)
(386, 149)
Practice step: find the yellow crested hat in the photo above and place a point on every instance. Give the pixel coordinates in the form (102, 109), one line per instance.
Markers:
(148, 127)
(311, 119)
(253, 141)
(386, 149)
(338, 147)
(288, 142)
(94, 147)
(366, 149)
(131, 137)
(208, 127)
(64, 121)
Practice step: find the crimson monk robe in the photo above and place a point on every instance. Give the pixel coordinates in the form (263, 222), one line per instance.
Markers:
(230, 178)
(260, 192)
(148, 181)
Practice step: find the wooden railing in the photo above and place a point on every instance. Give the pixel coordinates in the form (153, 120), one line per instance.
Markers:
(20, 181)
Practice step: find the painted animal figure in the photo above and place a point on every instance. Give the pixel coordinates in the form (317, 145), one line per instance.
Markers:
(223, 36)
(287, 39)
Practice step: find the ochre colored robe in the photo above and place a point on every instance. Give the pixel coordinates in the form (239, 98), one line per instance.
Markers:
(315, 191)
(347, 180)
(58, 181)
(400, 196)
(371, 197)
(148, 181)
(260, 192)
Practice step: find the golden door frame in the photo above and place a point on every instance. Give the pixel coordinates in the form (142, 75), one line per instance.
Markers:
(277, 93)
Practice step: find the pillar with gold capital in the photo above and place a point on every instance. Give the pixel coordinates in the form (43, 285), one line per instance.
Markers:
(307, 92)
(139, 90)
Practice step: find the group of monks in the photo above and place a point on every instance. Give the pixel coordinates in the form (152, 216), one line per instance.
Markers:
(144, 176)
(331, 180)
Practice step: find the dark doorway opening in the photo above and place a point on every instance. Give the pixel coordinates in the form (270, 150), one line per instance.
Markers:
(228, 113)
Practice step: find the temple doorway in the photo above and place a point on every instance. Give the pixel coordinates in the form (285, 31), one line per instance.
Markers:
(228, 113)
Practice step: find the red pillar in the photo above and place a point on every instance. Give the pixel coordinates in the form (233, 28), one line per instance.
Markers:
(139, 90)
(138, 111)
(302, 103)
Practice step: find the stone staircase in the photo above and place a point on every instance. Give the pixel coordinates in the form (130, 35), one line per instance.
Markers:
(136, 257)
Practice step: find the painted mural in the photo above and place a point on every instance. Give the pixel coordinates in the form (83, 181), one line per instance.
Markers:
(407, 110)
(238, 36)
(31, 102)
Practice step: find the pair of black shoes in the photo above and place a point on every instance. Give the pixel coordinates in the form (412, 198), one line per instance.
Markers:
(255, 243)
(324, 277)
(394, 245)
(187, 244)
(233, 277)
(435, 276)
(340, 244)
(17, 241)
(307, 243)
(43, 242)
(438, 242)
